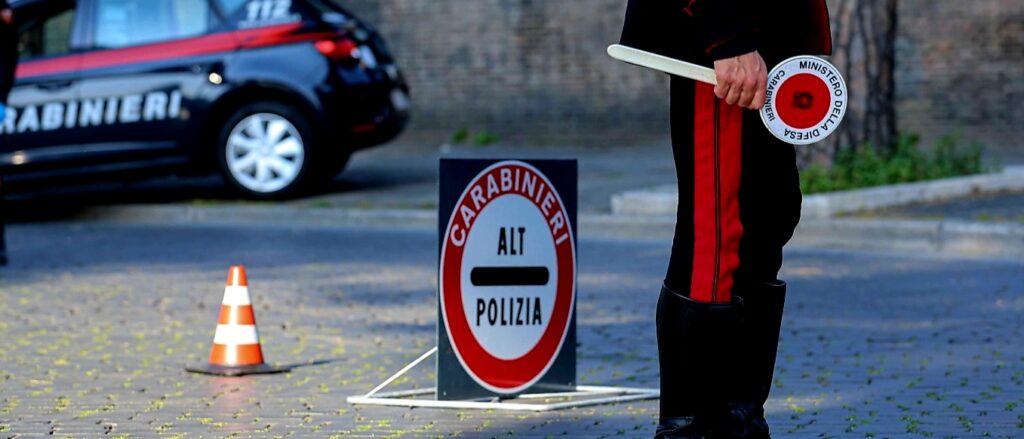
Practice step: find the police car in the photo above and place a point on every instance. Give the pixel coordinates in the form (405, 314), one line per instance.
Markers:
(273, 94)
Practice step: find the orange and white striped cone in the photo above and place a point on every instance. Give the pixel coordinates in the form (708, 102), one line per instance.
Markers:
(236, 344)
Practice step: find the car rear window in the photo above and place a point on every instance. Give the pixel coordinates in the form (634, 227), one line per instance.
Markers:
(231, 7)
(122, 23)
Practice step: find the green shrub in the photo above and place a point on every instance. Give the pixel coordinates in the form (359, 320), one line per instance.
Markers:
(460, 136)
(484, 138)
(862, 167)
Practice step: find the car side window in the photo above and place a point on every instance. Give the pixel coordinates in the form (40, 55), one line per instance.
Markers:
(256, 13)
(46, 35)
(123, 23)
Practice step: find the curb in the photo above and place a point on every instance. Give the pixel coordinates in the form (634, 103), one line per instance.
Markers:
(662, 200)
(832, 204)
(947, 238)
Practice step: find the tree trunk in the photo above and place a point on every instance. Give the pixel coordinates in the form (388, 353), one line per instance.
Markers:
(864, 46)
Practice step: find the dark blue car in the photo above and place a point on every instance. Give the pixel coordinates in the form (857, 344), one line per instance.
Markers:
(273, 94)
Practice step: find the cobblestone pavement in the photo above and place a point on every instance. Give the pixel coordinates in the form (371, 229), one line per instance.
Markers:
(97, 321)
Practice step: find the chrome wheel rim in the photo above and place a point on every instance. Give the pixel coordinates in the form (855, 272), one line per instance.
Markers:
(264, 153)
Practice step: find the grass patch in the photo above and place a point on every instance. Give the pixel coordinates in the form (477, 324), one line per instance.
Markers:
(481, 138)
(903, 163)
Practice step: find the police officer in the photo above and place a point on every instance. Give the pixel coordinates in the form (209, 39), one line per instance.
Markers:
(720, 309)
(8, 62)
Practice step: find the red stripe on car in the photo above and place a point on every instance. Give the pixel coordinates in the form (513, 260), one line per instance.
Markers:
(202, 45)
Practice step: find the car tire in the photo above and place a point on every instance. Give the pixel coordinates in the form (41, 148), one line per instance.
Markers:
(267, 150)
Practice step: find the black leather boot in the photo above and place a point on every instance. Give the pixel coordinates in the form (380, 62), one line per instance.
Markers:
(763, 305)
(693, 338)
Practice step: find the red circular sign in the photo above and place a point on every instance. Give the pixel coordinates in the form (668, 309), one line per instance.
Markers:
(803, 100)
(806, 100)
(499, 194)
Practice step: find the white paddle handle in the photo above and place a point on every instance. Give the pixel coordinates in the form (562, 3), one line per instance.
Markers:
(662, 63)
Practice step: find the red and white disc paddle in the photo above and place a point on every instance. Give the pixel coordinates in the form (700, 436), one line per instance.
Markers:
(805, 99)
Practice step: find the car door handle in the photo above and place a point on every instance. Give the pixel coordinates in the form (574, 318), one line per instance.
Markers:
(214, 67)
(56, 85)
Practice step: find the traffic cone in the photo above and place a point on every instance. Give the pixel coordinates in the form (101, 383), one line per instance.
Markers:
(236, 344)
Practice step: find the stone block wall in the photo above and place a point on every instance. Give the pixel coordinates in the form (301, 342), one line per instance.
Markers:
(535, 71)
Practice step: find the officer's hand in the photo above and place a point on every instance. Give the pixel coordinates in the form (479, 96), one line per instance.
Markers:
(742, 80)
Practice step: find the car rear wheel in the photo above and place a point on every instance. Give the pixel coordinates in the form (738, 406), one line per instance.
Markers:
(265, 150)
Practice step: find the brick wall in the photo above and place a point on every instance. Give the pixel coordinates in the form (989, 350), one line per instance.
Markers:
(535, 70)
(528, 70)
(960, 66)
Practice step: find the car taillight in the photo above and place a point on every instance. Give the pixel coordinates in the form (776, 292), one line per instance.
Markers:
(340, 50)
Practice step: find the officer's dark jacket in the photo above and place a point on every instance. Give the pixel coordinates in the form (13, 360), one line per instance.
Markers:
(703, 31)
(8, 54)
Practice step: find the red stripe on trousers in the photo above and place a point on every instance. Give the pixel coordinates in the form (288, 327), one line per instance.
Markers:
(716, 214)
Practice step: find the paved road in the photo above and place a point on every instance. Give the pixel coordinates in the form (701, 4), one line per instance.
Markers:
(96, 322)
(391, 177)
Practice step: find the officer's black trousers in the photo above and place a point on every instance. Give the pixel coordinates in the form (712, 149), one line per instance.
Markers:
(739, 196)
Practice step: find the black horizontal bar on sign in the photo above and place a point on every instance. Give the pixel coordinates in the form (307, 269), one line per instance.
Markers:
(509, 276)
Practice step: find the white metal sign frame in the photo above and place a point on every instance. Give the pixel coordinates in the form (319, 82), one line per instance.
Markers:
(588, 396)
